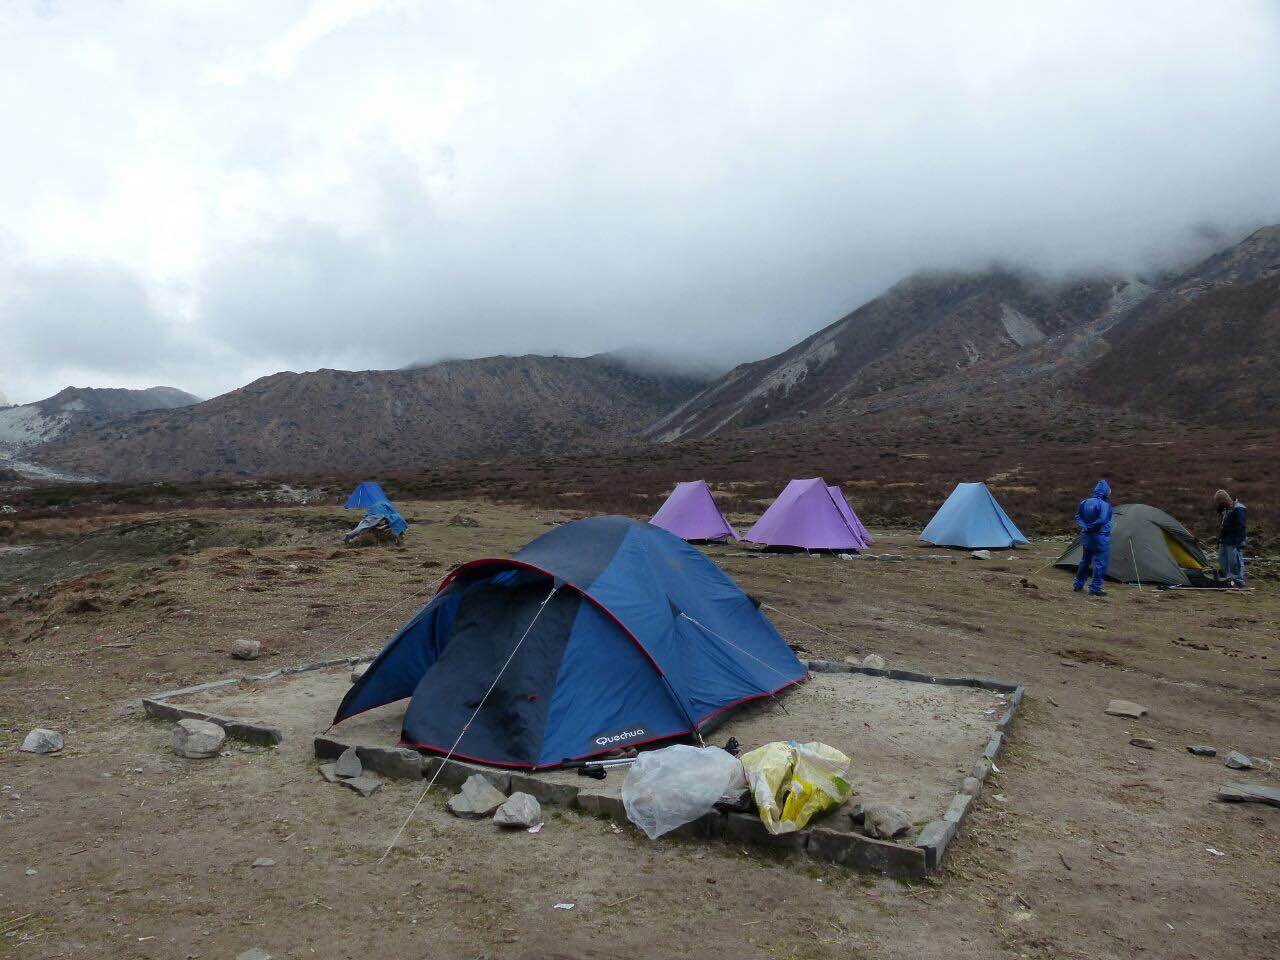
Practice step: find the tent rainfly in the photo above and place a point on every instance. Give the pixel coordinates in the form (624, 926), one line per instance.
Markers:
(808, 514)
(365, 495)
(691, 514)
(1147, 546)
(602, 633)
(851, 518)
(972, 519)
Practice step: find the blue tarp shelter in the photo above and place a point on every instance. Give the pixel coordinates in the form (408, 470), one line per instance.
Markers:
(599, 634)
(365, 495)
(397, 523)
(971, 518)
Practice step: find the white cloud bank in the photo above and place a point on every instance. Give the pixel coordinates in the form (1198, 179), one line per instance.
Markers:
(197, 194)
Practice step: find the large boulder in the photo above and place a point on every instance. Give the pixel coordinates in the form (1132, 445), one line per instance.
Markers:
(198, 739)
(41, 740)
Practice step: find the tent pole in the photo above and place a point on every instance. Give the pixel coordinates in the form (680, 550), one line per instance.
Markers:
(1135, 563)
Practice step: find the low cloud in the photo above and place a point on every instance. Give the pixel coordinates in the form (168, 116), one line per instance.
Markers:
(376, 184)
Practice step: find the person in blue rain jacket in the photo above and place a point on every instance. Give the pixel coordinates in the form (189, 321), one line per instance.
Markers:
(1093, 517)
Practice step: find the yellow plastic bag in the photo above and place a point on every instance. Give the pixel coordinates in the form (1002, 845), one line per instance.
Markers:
(791, 782)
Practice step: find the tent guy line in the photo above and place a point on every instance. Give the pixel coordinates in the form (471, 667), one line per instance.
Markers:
(556, 584)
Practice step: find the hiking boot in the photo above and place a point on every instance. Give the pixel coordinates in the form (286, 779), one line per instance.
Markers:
(1098, 593)
(1078, 587)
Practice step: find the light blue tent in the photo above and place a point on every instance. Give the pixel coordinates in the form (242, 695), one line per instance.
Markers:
(365, 495)
(971, 518)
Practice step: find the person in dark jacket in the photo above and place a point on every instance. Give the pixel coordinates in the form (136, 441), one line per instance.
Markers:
(1093, 517)
(1231, 537)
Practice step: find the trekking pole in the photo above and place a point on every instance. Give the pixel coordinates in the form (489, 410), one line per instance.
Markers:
(597, 769)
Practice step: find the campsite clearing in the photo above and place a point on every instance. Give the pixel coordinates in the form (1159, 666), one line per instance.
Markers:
(1097, 849)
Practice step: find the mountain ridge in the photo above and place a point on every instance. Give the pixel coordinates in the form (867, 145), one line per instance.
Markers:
(328, 420)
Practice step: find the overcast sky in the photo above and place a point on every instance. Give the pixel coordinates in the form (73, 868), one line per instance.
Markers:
(196, 194)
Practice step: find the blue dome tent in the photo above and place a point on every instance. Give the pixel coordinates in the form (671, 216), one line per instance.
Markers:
(365, 495)
(971, 518)
(599, 634)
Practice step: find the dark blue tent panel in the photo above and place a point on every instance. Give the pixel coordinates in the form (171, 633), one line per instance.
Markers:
(617, 633)
(365, 495)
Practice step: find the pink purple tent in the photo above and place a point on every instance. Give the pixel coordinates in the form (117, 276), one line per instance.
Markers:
(808, 515)
(691, 513)
(851, 518)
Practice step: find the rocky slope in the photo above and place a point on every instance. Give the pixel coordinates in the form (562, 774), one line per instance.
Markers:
(1216, 357)
(1002, 338)
(28, 426)
(927, 329)
(335, 421)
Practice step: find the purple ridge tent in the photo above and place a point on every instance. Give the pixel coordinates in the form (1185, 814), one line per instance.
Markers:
(851, 518)
(806, 515)
(691, 514)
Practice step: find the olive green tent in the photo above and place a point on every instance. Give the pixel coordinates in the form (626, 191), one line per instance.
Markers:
(1147, 546)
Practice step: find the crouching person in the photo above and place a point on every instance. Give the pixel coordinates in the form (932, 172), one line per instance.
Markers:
(1231, 537)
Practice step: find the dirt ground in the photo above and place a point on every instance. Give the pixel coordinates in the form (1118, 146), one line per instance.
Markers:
(914, 743)
(1097, 849)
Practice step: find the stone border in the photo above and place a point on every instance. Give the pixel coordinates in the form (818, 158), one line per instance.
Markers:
(822, 843)
(157, 706)
(937, 834)
(849, 849)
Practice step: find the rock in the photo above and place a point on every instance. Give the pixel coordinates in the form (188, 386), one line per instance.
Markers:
(477, 799)
(263, 862)
(518, 810)
(198, 739)
(857, 813)
(736, 801)
(358, 671)
(1238, 761)
(348, 764)
(1201, 750)
(890, 558)
(1126, 708)
(885, 821)
(41, 740)
(1248, 793)
(254, 953)
(246, 649)
(981, 555)
(366, 786)
(1146, 743)
(874, 661)
(461, 520)
(328, 772)
(32, 871)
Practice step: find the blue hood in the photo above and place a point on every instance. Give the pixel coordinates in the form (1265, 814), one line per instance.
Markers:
(1103, 490)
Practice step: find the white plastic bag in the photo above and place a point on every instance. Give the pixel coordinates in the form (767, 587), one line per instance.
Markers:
(670, 787)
